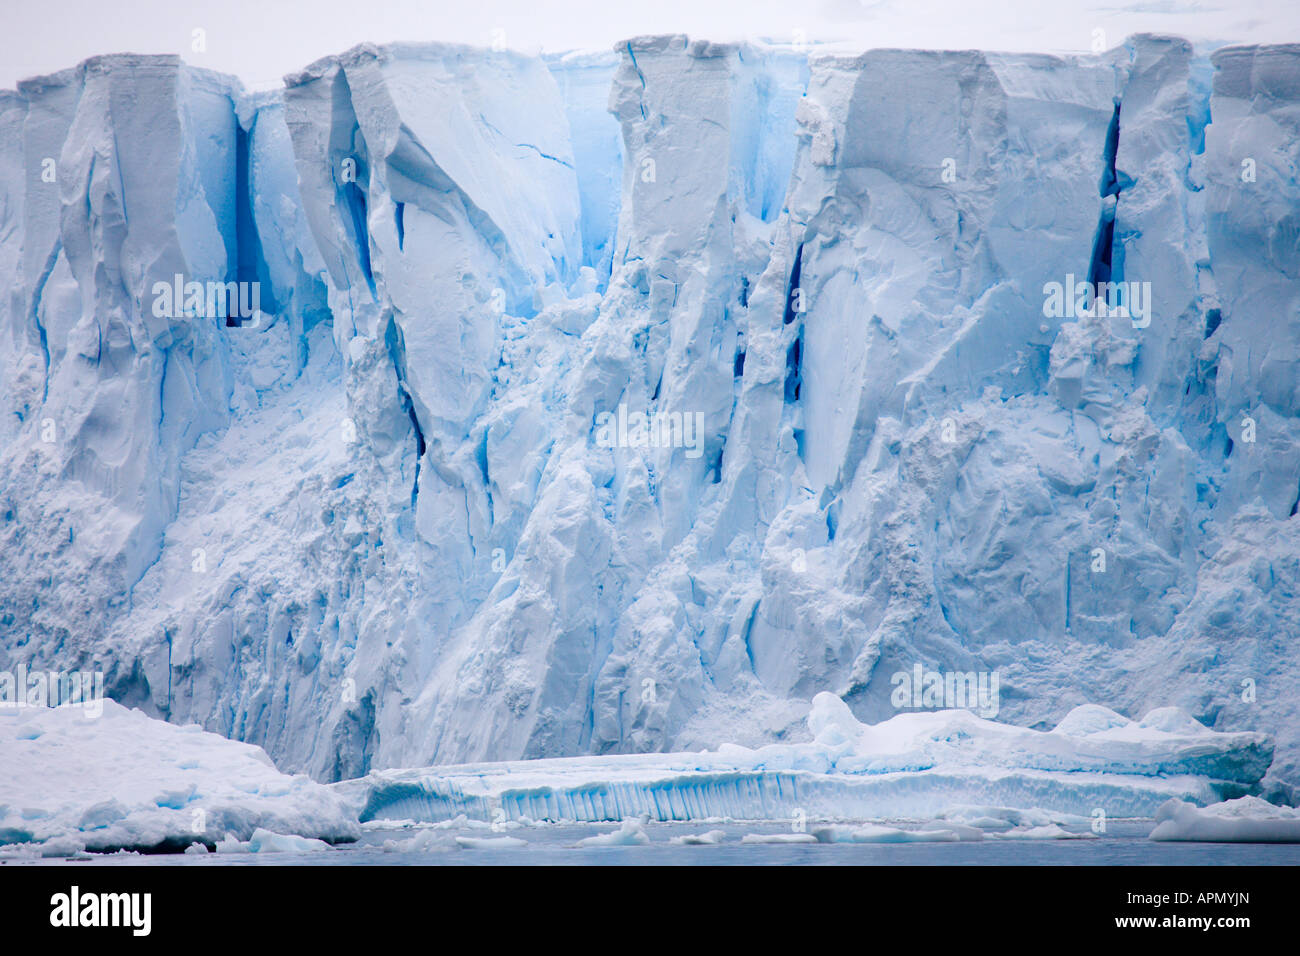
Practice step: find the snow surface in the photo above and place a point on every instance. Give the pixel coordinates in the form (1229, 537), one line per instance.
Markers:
(124, 780)
(377, 530)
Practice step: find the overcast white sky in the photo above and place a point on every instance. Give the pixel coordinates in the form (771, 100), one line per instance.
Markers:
(261, 40)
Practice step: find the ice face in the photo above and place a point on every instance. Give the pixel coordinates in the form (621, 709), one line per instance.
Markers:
(624, 402)
(110, 394)
(910, 767)
(597, 142)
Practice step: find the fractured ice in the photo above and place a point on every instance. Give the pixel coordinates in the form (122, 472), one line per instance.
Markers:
(376, 529)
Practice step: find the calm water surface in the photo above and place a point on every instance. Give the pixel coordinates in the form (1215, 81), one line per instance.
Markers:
(553, 845)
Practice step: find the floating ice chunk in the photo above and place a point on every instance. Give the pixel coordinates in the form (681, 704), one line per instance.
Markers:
(264, 841)
(778, 838)
(877, 833)
(68, 846)
(1244, 820)
(196, 849)
(20, 851)
(490, 843)
(708, 838)
(1005, 818)
(963, 832)
(231, 844)
(426, 838)
(631, 833)
(185, 785)
(1049, 832)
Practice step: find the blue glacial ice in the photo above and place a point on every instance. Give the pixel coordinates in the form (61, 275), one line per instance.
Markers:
(375, 528)
(921, 766)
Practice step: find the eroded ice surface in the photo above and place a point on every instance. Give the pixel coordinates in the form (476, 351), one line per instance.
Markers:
(376, 529)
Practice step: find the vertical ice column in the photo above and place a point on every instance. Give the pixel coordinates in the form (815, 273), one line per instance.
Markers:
(584, 80)
(20, 365)
(1253, 229)
(129, 179)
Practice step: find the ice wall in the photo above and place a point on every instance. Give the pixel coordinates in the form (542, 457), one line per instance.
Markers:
(124, 176)
(383, 527)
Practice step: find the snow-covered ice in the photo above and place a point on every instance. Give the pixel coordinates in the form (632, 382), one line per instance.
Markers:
(1244, 820)
(127, 780)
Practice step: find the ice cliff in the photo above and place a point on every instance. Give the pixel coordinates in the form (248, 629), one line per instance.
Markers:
(376, 525)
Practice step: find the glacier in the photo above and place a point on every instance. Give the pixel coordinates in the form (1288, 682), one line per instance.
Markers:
(375, 529)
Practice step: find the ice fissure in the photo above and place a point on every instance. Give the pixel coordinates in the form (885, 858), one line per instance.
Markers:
(388, 524)
(1101, 265)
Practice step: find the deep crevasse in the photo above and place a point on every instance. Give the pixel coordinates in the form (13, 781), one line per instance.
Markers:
(377, 530)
